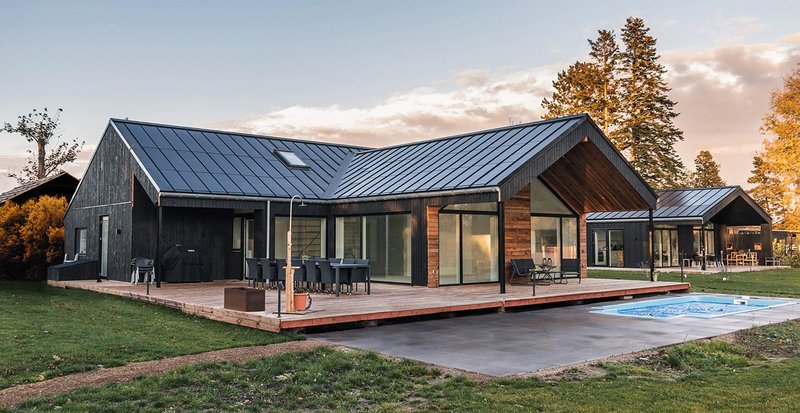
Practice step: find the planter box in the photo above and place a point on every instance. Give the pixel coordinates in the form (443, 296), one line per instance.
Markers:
(244, 299)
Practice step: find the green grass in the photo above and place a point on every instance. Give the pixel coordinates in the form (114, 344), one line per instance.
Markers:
(330, 380)
(785, 282)
(47, 332)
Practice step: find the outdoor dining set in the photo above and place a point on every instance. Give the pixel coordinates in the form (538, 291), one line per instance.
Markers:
(317, 275)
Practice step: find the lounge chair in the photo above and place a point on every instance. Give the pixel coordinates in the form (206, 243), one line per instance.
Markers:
(522, 268)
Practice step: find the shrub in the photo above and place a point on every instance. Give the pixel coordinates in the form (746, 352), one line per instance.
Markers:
(31, 237)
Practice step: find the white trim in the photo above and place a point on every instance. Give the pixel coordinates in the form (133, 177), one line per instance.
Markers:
(105, 205)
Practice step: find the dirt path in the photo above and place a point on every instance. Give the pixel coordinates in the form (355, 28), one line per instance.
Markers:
(13, 395)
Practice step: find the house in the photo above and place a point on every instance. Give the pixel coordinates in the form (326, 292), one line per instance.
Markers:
(60, 184)
(438, 212)
(688, 223)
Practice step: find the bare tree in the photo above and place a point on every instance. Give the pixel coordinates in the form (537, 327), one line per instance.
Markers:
(40, 128)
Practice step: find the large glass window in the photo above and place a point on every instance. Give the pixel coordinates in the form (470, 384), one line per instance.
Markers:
(616, 248)
(385, 240)
(237, 233)
(308, 237)
(546, 239)
(665, 242)
(710, 248)
(545, 202)
(348, 237)
(479, 248)
(449, 241)
(569, 229)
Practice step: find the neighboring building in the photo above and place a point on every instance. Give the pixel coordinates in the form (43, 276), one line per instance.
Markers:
(60, 184)
(621, 239)
(445, 211)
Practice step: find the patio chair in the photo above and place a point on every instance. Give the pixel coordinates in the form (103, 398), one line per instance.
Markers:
(142, 265)
(359, 275)
(326, 273)
(522, 268)
(252, 271)
(312, 274)
(299, 273)
(348, 261)
(269, 271)
(570, 268)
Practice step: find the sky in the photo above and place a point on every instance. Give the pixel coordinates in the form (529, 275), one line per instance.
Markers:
(376, 73)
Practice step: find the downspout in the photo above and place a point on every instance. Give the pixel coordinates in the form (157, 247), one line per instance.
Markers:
(266, 243)
(501, 241)
(652, 247)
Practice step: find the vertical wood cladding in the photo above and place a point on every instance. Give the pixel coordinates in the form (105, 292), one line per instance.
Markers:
(432, 233)
(517, 229)
(582, 244)
(105, 190)
(208, 231)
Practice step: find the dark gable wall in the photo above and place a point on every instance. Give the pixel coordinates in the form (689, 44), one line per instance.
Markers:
(636, 241)
(105, 190)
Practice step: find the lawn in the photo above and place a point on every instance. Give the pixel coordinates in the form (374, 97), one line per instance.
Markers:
(785, 282)
(693, 377)
(47, 332)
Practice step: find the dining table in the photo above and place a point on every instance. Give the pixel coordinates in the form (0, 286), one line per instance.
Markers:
(337, 269)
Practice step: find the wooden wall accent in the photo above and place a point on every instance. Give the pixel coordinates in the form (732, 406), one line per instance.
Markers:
(432, 231)
(583, 245)
(586, 180)
(517, 228)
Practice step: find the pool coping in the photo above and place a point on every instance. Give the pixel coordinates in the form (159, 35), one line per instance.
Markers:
(609, 309)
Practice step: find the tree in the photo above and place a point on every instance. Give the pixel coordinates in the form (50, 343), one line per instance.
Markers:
(590, 87)
(647, 132)
(767, 190)
(779, 172)
(626, 94)
(706, 172)
(41, 129)
(31, 237)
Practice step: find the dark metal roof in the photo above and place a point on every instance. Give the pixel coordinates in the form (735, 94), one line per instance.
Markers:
(20, 191)
(474, 160)
(677, 204)
(201, 161)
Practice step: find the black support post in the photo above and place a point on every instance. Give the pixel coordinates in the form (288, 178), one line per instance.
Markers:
(158, 249)
(501, 245)
(703, 247)
(652, 231)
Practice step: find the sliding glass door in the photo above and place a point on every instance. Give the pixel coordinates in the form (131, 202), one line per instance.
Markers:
(384, 240)
(467, 245)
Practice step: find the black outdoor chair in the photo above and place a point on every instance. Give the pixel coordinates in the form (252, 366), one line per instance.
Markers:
(299, 273)
(359, 275)
(522, 268)
(281, 268)
(269, 271)
(570, 268)
(348, 260)
(327, 275)
(252, 271)
(312, 274)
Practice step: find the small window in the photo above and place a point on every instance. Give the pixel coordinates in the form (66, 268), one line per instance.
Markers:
(80, 241)
(291, 159)
(237, 233)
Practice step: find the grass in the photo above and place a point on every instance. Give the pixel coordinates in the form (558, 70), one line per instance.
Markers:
(703, 377)
(47, 332)
(784, 283)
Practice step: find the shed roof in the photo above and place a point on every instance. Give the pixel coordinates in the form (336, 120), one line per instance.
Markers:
(685, 204)
(63, 184)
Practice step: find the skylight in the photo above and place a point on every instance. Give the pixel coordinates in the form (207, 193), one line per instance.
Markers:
(291, 159)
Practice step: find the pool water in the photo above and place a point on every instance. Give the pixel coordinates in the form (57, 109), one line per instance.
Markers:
(699, 306)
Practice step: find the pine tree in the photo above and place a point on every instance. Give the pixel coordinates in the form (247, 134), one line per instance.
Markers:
(767, 190)
(590, 87)
(781, 155)
(647, 132)
(706, 172)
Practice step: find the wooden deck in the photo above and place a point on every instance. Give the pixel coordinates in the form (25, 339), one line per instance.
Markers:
(386, 301)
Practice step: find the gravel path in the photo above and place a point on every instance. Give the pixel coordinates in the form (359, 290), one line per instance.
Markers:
(13, 395)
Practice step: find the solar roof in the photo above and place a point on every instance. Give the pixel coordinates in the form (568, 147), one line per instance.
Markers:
(675, 204)
(201, 161)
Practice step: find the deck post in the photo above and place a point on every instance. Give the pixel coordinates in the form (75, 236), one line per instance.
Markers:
(158, 248)
(651, 230)
(703, 247)
(501, 245)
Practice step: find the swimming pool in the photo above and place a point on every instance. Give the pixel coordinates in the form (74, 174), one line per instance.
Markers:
(699, 306)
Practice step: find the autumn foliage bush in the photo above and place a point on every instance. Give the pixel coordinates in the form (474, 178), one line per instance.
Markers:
(31, 237)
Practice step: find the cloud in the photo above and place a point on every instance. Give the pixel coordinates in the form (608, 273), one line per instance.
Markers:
(15, 162)
(722, 95)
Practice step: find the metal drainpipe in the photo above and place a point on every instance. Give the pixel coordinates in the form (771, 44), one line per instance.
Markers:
(501, 242)
(266, 252)
(652, 247)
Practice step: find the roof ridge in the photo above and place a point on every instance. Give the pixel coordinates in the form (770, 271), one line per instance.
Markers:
(473, 133)
(705, 188)
(252, 135)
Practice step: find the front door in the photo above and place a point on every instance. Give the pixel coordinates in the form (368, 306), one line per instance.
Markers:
(600, 248)
(104, 246)
(249, 242)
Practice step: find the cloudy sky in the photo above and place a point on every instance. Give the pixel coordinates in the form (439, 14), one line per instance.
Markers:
(376, 72)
